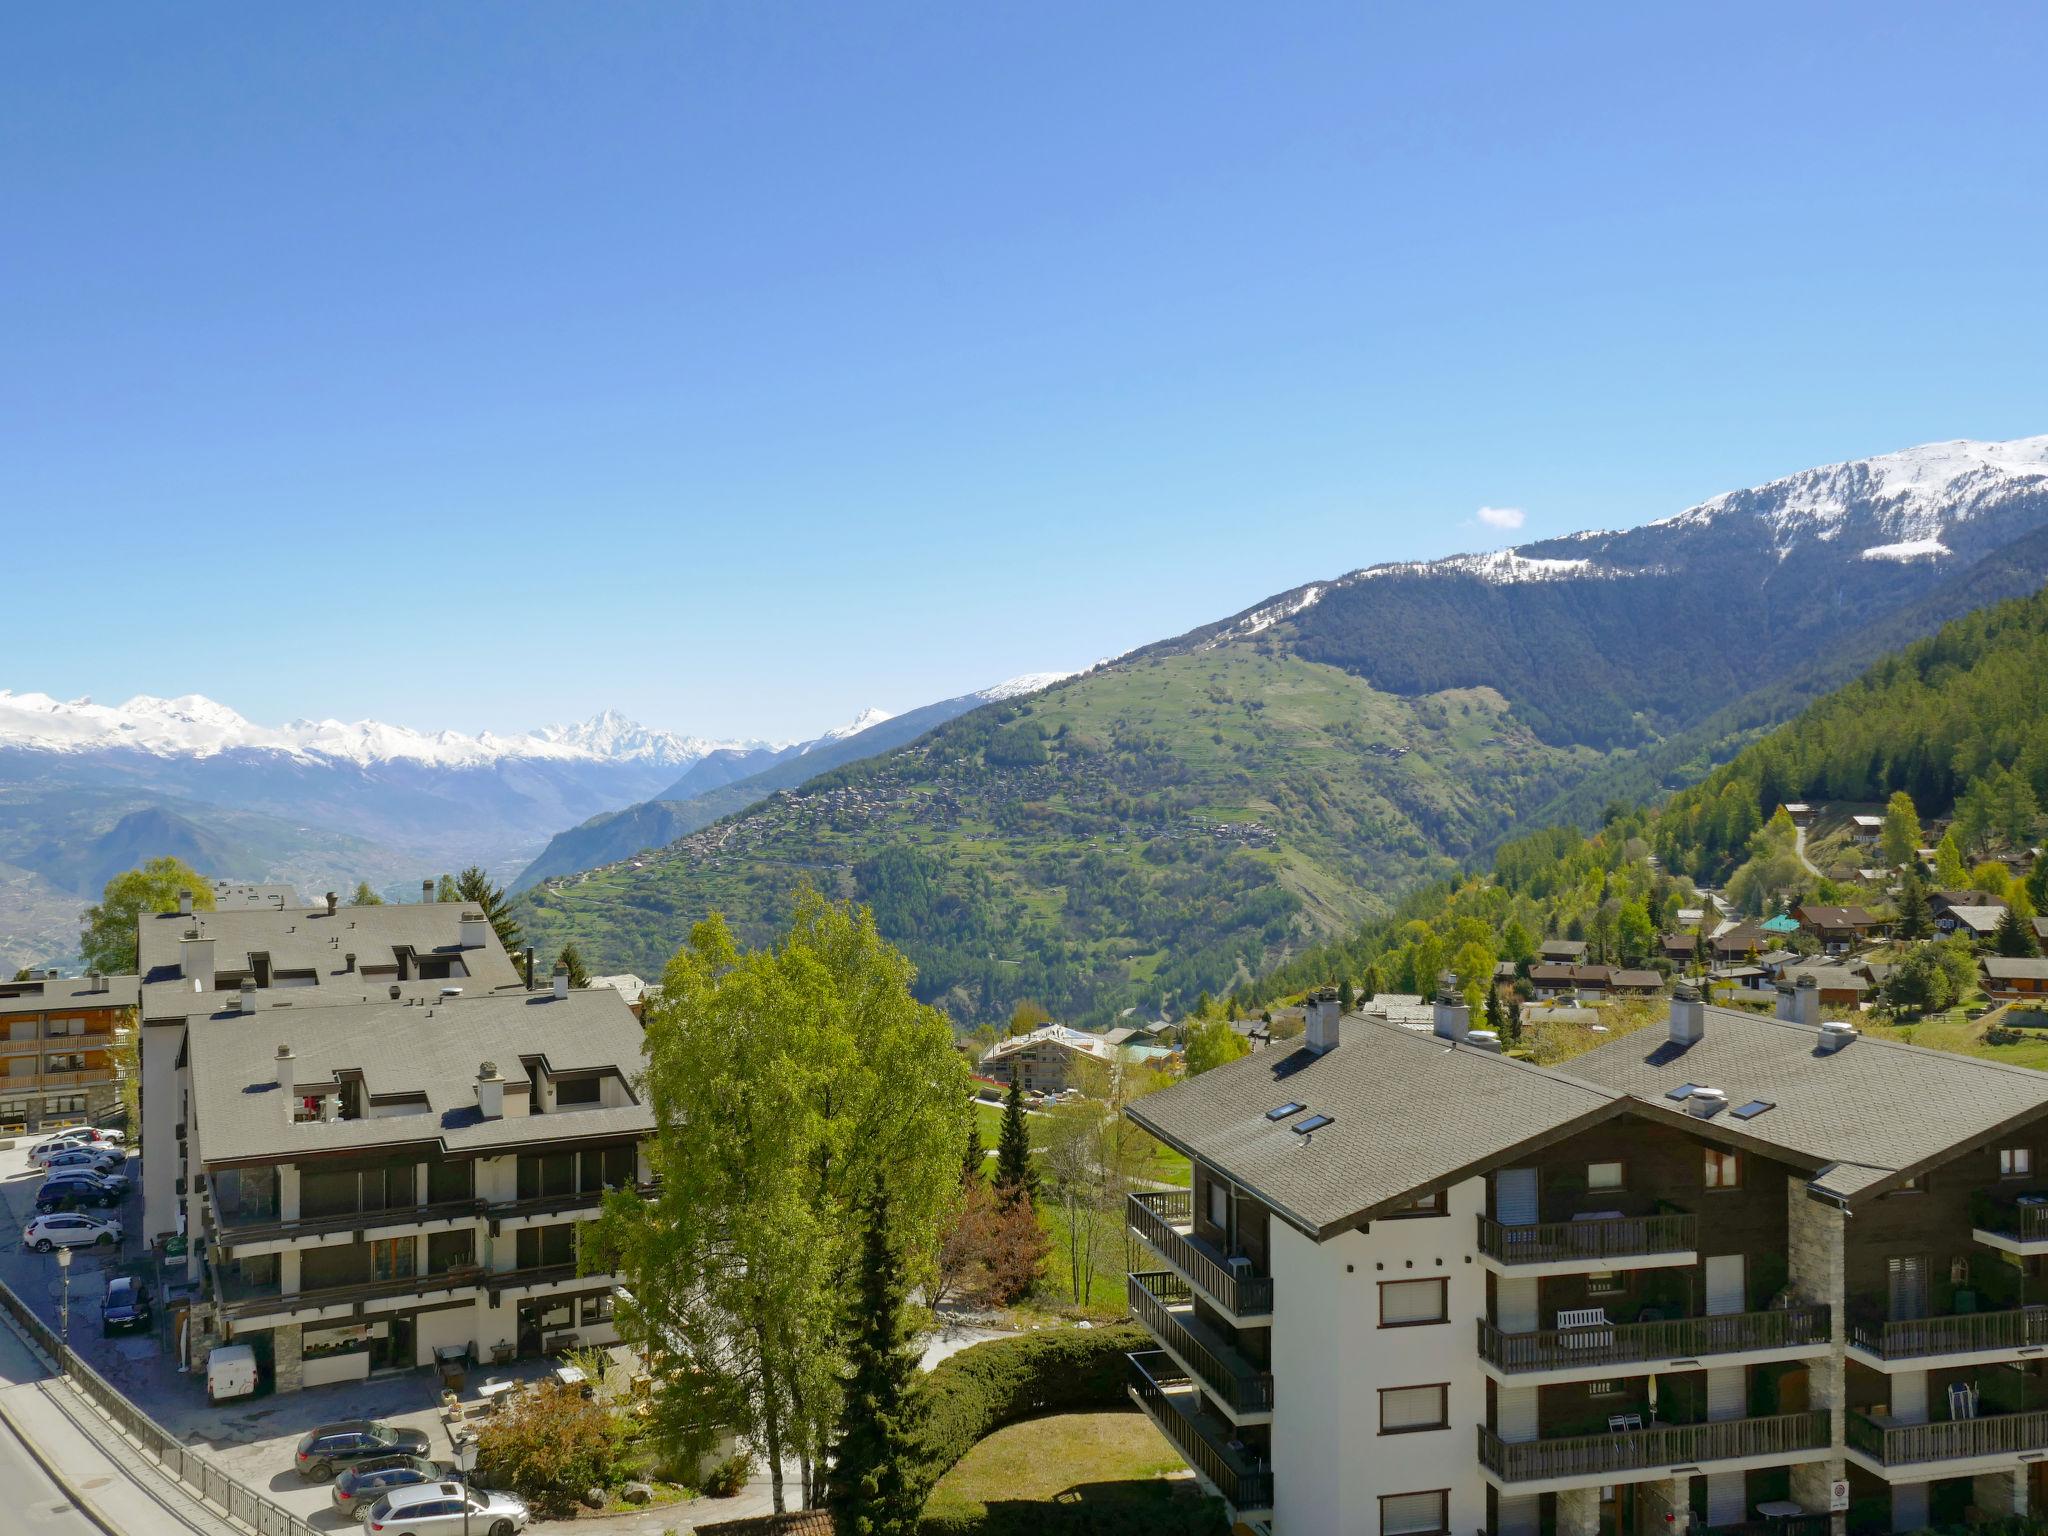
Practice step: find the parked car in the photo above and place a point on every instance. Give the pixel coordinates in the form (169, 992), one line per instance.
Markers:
(326, 1450)
(126, 1306)
(75, 1187)
(80, 1135)
(356, 1488)
(440, 1509)
(99, 1159)
(69, 1229)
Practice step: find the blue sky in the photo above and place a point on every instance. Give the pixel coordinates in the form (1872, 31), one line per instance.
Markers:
(741, 365)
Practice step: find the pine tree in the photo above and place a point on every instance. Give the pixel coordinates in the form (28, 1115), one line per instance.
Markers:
(1915, 918)
(1496, 1017)
(876, 1486)
(1347, 995)
(1514, 1035)
(1016, 1178)
(474, 886)
(571, 960)
(1372, 986)
(976, 1154)
(2015, 936)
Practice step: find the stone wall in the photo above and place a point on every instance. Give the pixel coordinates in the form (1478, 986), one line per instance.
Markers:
(287, 1357)
(1816, 1241)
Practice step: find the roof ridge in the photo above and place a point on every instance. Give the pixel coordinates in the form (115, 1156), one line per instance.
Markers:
(1606, 1095)
(1877, 1040)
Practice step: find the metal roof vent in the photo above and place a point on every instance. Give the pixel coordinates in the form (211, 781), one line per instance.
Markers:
(1484, 1040)
(1834, 1035)
(1705, 1103)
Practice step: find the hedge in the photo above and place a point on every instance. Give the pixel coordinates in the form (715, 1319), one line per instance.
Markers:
(1170, 1516)
(976, 1392)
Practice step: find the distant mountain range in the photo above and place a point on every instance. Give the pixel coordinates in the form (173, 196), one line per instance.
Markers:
(1181, 817)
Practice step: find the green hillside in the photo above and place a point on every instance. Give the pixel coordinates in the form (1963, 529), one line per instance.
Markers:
(1154, 829)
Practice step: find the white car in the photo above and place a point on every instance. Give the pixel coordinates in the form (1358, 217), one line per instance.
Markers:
(69, 1229)
(438, 1509)
(98, 1159)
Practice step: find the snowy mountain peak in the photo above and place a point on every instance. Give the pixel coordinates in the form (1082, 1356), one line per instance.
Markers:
(853, 727)
(1023, 683)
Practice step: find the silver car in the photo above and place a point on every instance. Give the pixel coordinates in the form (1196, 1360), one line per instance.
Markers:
(438, 1509)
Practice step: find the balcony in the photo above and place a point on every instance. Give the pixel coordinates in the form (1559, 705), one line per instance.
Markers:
(1588, 1460)
(1564, 1354)
(1974, 1337)
(2011, 1226)
(1589, 1243)
(83, 1078)
(1164, 1303)
(556, 1205)
(1999, 1439)
(242, 1232)
(1160, 1388)
(1165, 1219)
(246, 1301)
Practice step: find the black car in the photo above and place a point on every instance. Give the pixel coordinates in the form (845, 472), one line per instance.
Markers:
(356, 1488)
(326, 1450)
(68, 1191)
(126, 1305)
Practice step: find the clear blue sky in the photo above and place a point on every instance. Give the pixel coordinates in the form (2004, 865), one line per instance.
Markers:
(743, 364)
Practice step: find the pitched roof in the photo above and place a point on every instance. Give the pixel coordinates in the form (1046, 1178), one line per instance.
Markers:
(1408, 1112)
(1834, 917)
(47, 994)
(432, 1050)
(1978, 919)
(1875, 1104)
(1638, 979)
(1569, 947)
(1829, 978)
(2014, 968)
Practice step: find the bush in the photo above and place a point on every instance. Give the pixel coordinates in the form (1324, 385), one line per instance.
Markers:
(1170, 1516)
(725, 1480)
(978, 1391)
(548, 1445)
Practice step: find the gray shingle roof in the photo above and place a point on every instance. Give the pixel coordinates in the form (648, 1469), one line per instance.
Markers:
(2014, 967)
(1874, 1103)
(57, 993)
(431, 1049)
(1409, 1112)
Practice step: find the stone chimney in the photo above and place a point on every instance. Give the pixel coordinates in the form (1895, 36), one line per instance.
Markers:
(473, 927)
(1453, 1020)
(562, 982)
(287, 1080)
(184, 903)
(333, 903)
(427, 892)
(529, 967)
(490, 1092)
(1323, 1013)
(195, 961)
(1688, 1014)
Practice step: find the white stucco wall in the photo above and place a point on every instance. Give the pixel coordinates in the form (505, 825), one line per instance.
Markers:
(160, 1111)
(1331, 1464)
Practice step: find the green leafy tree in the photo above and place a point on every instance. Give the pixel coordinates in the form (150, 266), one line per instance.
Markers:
(1976, 816)
(2017, 815)
(475, 887)
(1373, 986)
(1933, 976)
(447, 890)
(364, 896)
(107, 933)
(571, 960)
(1635, 932)
(2014, 937)
(2037, 885)
(790, 1087)
(1212, 1043)
(1949, 871)
(1516, 944)
(1026, 1017)
(1901, 836)
(1992, 878)
(1016, 1172)
(877, 1484)
(548, 1444)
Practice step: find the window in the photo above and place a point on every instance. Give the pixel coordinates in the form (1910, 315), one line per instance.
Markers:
(597, 1309)
(1311, 1125)
(1753, 1108)
(1603, 1176)
(1219, 1205)
(607, 1168)
(1415, 1514)
(1406, 1303)
(450, 1181)
(578, 1091)
(542, 1247)
(1723, 1169)
(1605, 1282)
(1431, 1204)
(1284, 1110)
(392, 1258)
(1404, 1410)
(2015, 1162)
(544, 1176)
(450, 1250)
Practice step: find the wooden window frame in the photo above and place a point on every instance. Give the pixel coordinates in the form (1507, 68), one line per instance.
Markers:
(1713, 1156)
(2025, 1159)
(1607, 1162)
(1431, 1204)
(1443, 1499)
(1442, 1421)
(1443, 1291)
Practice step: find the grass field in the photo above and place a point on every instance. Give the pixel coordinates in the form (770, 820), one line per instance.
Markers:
(1111, 1458)
(1163, 1165)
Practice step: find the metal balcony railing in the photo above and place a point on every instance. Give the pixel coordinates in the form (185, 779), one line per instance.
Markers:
(260, 1303)
(1998, 1434)
(1606, 1238)
(1678, 1338)
(1154, 1378)
(1157, 1215)
(1233, 1381)
(2015, 1328)
(263, 1229)
(1656, 1445)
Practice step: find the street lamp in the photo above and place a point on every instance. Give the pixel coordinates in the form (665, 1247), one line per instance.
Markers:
(465, 1463)
(64, 1269)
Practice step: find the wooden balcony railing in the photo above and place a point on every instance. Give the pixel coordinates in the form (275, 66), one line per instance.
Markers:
(1154, 1377)
(1678, 1338)
(1242, 1386)
(2017, 1223)
(1903, 1445)
(1156, 1216)
(2015, 1328)
(1606, 1238)
(263, 1302)
(238, 1230)
(1657, 1445)
(80, 1079)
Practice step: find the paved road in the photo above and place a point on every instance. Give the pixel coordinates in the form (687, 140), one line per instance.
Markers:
(25, 1489)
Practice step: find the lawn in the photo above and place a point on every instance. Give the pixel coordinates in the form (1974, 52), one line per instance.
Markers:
(1965, 1037)
(1111, 1458)
(1162, 1165)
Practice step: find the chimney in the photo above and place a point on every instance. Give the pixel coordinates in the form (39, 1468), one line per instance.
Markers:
(427, 892)
(333, 904)
(1688, 1014)
(562, 984)
(1705, 1103)
(236, 1001)
(473, 930)
(396, 991)
(348, 961)
(490, 1091)
(1324, 1012)
(195, 961)
(1788, 1007)
(287, 1079)
(184, 903)
(1453, 1019)
(1834, 1035)
(1806, 1001)
(529, 967)
(98, 982)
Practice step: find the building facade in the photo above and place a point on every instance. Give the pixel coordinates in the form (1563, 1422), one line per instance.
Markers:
(60, 1045)
(1726, 1270)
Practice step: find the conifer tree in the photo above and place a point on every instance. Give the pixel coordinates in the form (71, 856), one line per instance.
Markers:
(1372, 985)
(1514, 1035)
(1347, 996)
(1915, 919)
(473, 885)
(1016, 1178)
(1496, 1017)
(875, 1486)
(2015, 936)
(976, 1155)
(571, 960)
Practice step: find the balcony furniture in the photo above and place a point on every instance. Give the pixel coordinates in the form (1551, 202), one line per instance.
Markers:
(1786, 1435)
(1653, 1341)
(1619, 1423)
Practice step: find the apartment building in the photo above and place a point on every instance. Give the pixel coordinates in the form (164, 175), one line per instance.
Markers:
(58, 1044)
(1726, 1269)
(1044, 1061)
(373, 1182)
(197, 965)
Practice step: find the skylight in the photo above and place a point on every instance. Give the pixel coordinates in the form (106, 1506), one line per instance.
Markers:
(1752, 1109)
(1683, 1091)
(1284, 1111)
(1312, 1123)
